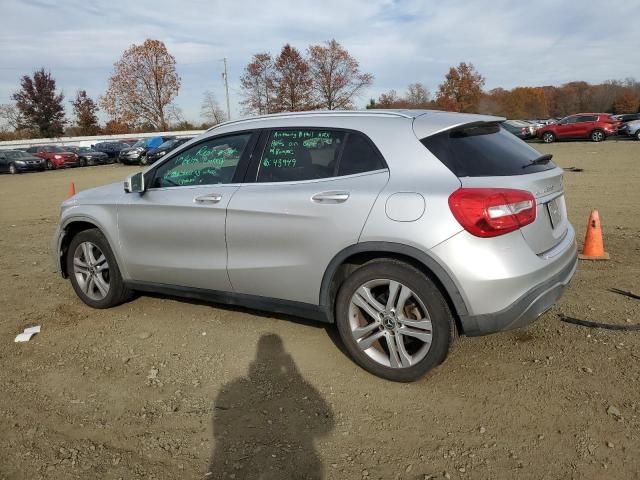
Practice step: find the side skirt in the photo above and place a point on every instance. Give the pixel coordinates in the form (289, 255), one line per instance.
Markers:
(266, 304)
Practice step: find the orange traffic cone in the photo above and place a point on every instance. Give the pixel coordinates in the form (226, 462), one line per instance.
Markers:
(72, 190)
(593, 248)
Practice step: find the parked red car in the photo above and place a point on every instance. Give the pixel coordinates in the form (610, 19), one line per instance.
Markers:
(55, 157)
(596, 126)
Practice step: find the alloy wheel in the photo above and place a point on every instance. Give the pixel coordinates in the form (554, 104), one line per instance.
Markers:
(91, 270)
(12, 169)
(597, 136)
(547, 137)
(390, 323)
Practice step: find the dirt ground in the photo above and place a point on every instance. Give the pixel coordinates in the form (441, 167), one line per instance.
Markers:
(165, 388)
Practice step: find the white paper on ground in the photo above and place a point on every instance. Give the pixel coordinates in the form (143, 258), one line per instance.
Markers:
(23, 337)
(27, 334)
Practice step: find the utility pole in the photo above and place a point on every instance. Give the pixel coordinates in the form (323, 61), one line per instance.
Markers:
(225, 75)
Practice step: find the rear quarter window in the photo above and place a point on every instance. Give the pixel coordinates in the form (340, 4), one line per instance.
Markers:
(486, 150)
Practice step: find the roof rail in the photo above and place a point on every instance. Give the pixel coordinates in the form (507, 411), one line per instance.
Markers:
(312, 113)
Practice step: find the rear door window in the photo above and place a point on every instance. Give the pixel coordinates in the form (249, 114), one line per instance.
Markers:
(300, 154)
(485, 150)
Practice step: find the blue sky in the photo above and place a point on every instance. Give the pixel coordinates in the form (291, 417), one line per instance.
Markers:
(511, 43)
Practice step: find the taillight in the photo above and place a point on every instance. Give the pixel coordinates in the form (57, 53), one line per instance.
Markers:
(523, 131)
(489, 212)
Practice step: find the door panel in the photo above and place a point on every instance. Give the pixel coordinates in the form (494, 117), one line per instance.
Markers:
(174, 233)
(168, 236)
(282, 236)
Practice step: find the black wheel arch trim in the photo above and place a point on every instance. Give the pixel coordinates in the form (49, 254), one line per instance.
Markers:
(380, 248)
(64, 237)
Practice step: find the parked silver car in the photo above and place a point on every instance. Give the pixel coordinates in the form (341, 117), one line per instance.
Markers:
(402, 227)
(631, 129)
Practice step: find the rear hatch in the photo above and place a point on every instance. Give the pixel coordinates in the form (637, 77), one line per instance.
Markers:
(485, 155)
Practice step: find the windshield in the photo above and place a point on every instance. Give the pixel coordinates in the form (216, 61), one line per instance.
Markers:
(55, 149)
(139, 143)
(84, 149)
(166, 145)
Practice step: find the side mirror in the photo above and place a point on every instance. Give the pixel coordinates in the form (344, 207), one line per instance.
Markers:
(135, 183)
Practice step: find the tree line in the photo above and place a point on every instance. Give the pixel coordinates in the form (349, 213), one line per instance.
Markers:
(462, 91)
(144, 84)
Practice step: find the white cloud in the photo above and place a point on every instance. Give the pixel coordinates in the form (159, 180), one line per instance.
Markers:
(511, 43)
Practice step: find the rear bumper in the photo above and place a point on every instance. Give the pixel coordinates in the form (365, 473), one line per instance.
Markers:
(524, 310)
(505, 284)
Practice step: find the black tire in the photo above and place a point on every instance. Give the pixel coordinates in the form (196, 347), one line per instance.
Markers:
(50, 165)
(443, 324)
(117, 292)
(12, 169)
(548, 137)
(83, 162)
(598, 136)
(144, 160)
(638, 135)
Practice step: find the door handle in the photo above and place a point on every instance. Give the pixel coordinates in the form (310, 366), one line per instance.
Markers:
(330, 197)
(209, 198)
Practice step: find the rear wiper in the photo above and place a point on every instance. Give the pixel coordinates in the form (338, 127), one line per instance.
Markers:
(541, 160)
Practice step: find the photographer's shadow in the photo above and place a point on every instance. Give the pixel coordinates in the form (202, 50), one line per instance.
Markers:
(265, 424)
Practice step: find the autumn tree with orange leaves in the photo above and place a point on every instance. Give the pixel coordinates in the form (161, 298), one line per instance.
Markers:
(293, 80)
(461, 90)
(143, 85)
(258, 85)
(85, 110)
(627, 102)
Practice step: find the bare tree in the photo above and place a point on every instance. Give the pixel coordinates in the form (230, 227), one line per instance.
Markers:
(258, 85)
(337, 79)
(211, 110)
(143, 85)
(10, 114)
(417, 96)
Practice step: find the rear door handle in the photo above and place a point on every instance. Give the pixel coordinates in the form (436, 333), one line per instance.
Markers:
(209, 198)
(330, 197)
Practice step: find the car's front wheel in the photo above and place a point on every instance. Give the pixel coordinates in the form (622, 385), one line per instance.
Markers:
(13, 169)
(598, 136)
(93, 270)
(548, 137)
(393, 320)
(638, 135)
(50, 165)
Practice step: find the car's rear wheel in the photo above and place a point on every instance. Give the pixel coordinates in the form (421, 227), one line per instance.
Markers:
(548, 137)
(598, 136)
(93, 270)
(13, 169)
(638, 135)
(393, 320)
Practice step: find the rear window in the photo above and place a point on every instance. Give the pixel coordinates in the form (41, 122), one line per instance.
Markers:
(485, 150)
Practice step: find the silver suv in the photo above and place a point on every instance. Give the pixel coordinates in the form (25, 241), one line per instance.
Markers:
(402, 227)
